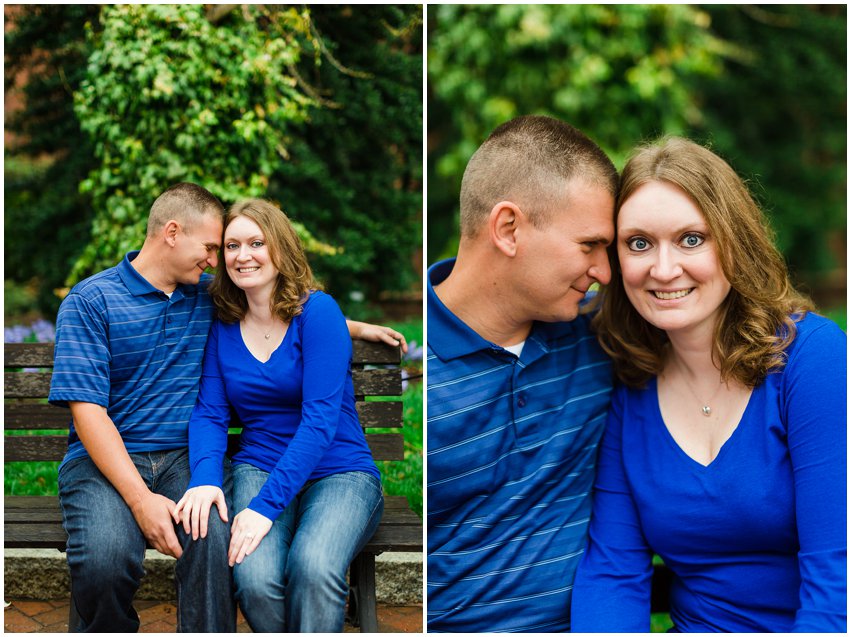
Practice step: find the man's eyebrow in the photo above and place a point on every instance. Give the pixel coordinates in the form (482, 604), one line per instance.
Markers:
(596, 239)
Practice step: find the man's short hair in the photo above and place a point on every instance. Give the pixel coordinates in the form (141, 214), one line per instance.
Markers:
(529, 160)
(186, 203)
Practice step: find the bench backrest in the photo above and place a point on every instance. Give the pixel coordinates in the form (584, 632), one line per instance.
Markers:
(26, 384)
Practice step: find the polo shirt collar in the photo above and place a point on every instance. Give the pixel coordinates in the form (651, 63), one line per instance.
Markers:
(138, 285)
(450, 337)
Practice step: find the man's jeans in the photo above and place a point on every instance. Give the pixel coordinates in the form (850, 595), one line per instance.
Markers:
(295, 581)
(106, 549)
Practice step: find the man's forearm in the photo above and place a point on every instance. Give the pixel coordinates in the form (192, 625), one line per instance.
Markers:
(103, 443)
(153, 512)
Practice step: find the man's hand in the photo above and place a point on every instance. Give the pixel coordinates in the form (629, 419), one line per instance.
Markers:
(249, 527)
(193, 509)
(377, 333)
(153, 515)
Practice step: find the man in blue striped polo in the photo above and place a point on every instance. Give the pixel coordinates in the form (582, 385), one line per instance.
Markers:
(517, 386)
(129, 345)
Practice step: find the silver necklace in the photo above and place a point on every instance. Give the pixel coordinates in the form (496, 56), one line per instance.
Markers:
(266, 335)
(705, 409)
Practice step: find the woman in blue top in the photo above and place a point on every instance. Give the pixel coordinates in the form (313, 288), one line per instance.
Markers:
(306, 489)
(724, 450)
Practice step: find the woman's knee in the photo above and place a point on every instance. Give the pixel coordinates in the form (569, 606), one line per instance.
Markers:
(257, 577)
(312, 566)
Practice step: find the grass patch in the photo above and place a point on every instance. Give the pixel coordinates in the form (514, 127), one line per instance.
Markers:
(405, 477)
(30, 478)
(660, 622)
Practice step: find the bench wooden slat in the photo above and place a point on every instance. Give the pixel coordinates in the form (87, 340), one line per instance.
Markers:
(365, 352)
(26, 384)
(34, 448)
(30, 509)
(36, 521)
(28, 355)
(367, 382)
(377, 382)
(53, 448)
(24, 536)
(41, 354)
(33, 416)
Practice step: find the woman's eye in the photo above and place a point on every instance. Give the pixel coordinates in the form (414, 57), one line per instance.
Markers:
(693, 240)
(230, 246)
(256, 244)
(638, 243)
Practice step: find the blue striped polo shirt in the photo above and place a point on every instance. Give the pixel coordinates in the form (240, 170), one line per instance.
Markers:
(125, 345)
(512, 448)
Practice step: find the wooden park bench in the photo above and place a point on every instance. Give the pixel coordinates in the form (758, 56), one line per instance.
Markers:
(36, 521)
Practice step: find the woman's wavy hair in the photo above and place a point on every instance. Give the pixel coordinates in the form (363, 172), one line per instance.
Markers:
(757, 320)
(295, 278)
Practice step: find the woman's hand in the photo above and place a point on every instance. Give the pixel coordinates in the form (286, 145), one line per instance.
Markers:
(249, 527)
(193, 510)
(377, 333)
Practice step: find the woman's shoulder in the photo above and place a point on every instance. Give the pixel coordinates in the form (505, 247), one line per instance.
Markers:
(319, 305)
(319, 300)
(815, 330)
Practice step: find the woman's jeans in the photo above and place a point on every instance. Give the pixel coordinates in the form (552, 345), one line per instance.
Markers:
(106, 549)
(295, 580)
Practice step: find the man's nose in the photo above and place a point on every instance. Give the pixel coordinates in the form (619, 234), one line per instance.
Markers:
(600, 269)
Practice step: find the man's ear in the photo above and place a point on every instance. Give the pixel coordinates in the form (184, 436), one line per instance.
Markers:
(502, 226)
(169, 232)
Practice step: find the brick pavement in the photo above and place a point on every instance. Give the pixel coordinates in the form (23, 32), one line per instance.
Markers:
(31, 616)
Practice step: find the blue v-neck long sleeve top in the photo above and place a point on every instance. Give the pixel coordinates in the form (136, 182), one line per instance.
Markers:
(757, 539)
(297, 409)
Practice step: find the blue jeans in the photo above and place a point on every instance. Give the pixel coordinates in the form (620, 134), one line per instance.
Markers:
(106, 549)
(295, 581)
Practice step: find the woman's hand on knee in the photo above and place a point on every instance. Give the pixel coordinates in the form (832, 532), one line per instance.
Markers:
(249, 527)
(193, 509)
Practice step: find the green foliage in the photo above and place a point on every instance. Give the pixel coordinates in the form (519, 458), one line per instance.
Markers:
(170, 97)
(839, 316)
(360, 157)
(764, 86)
(318, 108)
(618, 72)
(43, 205)
(779, 116)
(660, 622)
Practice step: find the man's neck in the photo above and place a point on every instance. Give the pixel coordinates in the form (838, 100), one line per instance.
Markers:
(479, 303)
(151, 269)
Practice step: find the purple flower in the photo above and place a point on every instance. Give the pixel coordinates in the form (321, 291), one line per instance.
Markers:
(41, 331)
(44, 330)
(16, 334)
(415, 353)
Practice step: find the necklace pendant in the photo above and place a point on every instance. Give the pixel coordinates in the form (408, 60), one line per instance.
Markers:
(706, 410)
(268, 335)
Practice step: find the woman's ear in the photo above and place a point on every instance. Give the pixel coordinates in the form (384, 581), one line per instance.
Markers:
(502, 226)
